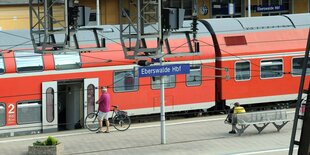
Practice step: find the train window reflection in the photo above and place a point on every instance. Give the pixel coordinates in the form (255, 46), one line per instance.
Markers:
(168, 80)
(27, 61)
(125, 81)
(50, 105)
(67, 60)
(90, 98)
(1, 65)
(194, 77)
(271, 68)
(2, 114)
(242, 71)
(29, 112)
(297, 66)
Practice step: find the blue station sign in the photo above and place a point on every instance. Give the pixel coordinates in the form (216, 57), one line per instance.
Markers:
(162, 70)
(269, 8)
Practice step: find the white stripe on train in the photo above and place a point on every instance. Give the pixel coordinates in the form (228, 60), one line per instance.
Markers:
(153, 110)
(107, 68)
(91, 69)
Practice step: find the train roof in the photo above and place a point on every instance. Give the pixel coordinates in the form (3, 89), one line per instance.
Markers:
(20, 39)
(255, 24)
(19, 2)
(10, 2)
(254, 29)
(259, 35)
(16, 39)
(300, 20)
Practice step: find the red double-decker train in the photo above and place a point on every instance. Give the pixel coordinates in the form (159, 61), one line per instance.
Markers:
(255, 61)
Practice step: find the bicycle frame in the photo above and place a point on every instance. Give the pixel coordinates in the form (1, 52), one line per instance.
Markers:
(114, 111)
(120, 118)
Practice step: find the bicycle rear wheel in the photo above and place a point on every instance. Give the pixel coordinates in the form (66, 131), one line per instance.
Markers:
(91, 122)
(121, 122)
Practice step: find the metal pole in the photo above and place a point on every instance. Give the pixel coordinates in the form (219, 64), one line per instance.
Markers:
(293, 6)
(98, 12)
(305, 134)
(308, 6)
(301, 87)
(67, 34)
(162, 108)
(46, 18)
(162, 84)
(31, 9)
(139, 21)
(249, 8)
(194, 15)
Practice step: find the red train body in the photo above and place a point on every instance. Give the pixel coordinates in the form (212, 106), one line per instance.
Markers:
(251, 63)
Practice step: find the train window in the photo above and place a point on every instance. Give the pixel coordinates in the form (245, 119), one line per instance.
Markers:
(297, 66)
(90, 98)
(194, 77)
(271, 68)
(242, 71)
(1, 65)
(168, 80)
(29, 112)
(125, 81)
(67, 60)
(50, 105)
(28, 61)
(2, 114)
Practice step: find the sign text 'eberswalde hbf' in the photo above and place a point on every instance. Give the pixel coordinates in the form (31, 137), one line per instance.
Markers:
(164, 70)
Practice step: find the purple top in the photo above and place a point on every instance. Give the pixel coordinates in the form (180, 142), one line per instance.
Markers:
(104, 102)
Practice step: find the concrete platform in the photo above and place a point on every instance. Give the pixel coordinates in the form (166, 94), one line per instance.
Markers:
(199, 136)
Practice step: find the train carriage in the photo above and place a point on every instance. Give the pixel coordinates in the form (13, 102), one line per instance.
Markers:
(52, 92)
(264, 56)
(256, 61)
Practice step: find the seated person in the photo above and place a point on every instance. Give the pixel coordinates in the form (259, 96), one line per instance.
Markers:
(237, 109)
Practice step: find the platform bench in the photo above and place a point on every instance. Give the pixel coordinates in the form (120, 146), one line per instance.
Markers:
(260, 120)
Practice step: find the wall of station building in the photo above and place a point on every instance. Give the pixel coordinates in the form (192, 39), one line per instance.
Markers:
(16, 17)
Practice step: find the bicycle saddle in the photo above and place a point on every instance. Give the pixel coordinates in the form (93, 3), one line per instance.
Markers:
(115, 106)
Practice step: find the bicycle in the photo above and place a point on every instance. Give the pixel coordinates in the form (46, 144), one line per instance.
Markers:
(119, 120)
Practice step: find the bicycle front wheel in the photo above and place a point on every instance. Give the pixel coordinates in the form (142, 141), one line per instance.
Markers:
(121, 122)
(91, 122)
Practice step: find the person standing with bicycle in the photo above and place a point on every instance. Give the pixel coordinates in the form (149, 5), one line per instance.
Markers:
(104, 108)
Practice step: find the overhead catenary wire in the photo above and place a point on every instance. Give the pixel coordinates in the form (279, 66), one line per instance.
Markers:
(112, 39)
(201, 33)
(173, 47)
(208, 44)
(238, 57)
(150, 84)
(203, 79)
(213, 66)
(166, 54)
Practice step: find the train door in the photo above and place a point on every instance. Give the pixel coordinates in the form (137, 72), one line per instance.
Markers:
(49, 107)
(90, 95)
(70, 104)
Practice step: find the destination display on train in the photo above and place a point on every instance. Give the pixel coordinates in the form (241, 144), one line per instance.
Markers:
(162, 70)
